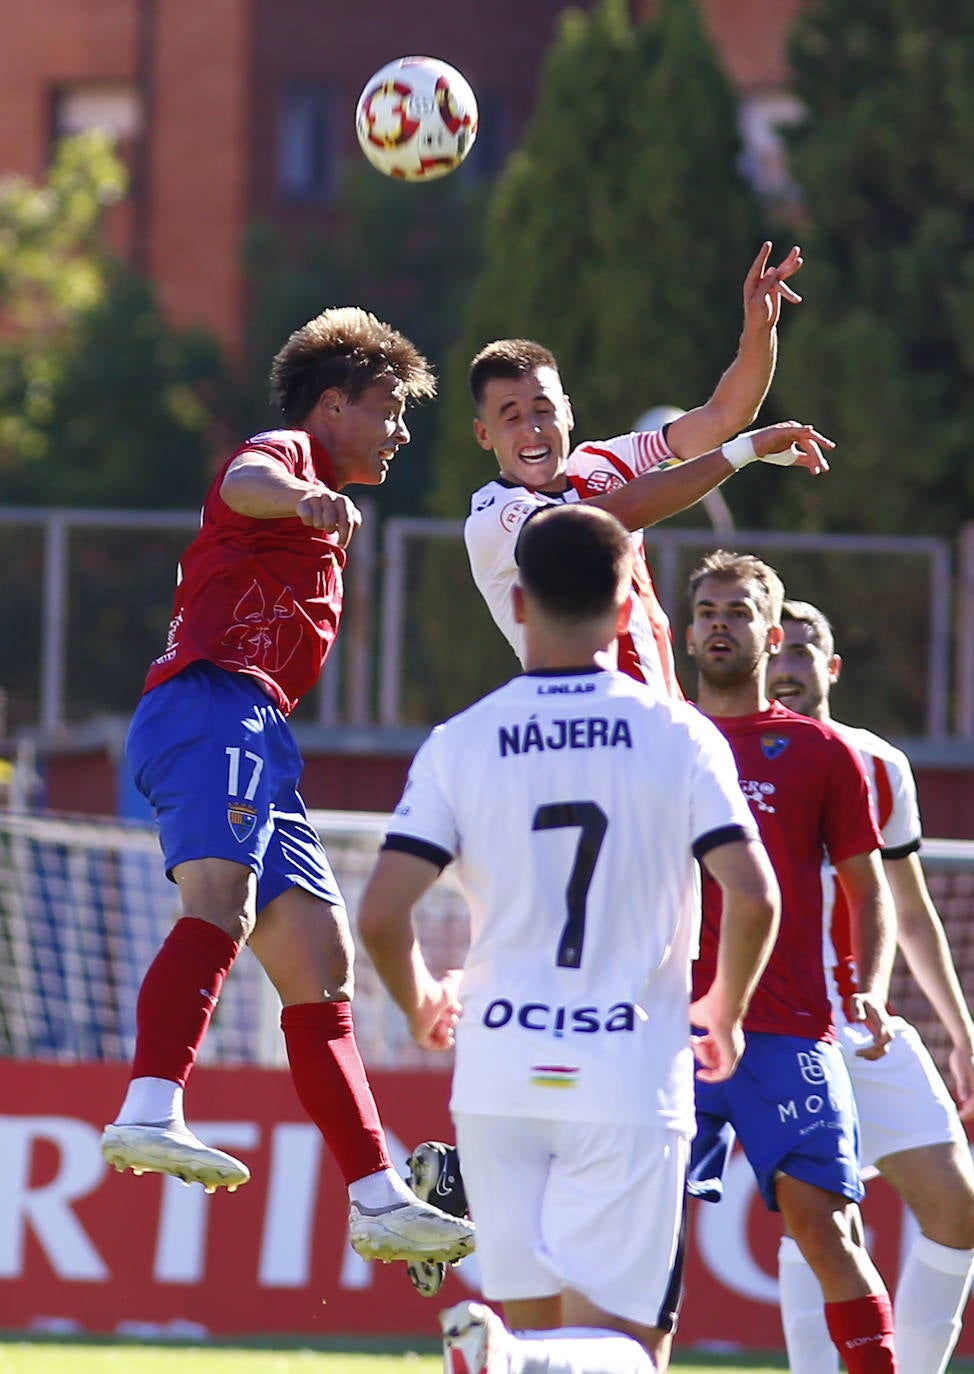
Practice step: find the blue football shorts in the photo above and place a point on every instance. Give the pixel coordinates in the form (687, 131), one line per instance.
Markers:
(791, 1105)
(218, 763)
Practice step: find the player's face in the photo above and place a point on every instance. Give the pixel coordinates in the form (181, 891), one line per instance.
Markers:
(362, 436)
(729, 636)
(527, 422)
(801, 674)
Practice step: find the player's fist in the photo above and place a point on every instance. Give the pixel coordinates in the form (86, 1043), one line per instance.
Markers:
(329, 511)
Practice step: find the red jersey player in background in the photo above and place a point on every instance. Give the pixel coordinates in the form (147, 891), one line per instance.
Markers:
(910, 1130)
(525, 418)
(256, 611)
(790, 1100)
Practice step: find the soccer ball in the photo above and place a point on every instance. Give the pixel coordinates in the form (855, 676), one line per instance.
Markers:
(416, 119)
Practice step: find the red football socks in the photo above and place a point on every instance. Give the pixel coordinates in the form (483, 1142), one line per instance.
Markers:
(862, 1331)
(331, 1083)
(177, 998)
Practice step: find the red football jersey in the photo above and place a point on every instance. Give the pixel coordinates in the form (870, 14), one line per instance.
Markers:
(262, 597)
(809, 796)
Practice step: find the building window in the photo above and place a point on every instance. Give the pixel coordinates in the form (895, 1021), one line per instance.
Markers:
(110, 105)
(308, 143)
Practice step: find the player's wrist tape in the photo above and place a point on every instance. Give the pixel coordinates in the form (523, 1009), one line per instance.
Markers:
(740, 451)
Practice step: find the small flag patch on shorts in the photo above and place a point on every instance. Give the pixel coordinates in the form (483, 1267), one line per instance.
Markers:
(243, 820)
(553, 1076)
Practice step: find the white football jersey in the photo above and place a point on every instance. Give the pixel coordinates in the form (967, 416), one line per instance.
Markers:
(499, 510)
(575, 805)
(893, 793)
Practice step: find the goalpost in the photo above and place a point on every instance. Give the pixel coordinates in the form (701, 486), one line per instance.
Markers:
(84, 905)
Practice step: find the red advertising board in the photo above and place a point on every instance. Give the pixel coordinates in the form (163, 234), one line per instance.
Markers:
(84, 1248)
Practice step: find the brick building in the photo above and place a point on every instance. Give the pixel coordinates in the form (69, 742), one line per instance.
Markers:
(231, 110)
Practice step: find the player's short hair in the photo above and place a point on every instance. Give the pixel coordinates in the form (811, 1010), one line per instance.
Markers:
(804, 613)
(507, 358)
(575, 561)
(347, 348)
(744, 567)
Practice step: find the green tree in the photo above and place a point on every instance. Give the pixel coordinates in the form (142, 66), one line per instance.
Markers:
(620, 232)
(542, 255)
(881, 355)
(101, 402)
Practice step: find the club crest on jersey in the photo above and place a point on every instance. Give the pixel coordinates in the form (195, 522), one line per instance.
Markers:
(242, 819)
(602, 481)
(515, 513)
(773, 745)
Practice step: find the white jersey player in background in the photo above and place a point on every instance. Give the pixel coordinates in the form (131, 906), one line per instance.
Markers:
(575, 803)
(911, 1131)
(525, 418)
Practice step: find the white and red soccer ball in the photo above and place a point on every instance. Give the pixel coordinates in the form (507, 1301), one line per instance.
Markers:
(416, 119)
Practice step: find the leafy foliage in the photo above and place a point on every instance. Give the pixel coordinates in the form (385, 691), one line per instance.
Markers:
(101, 402)
(881, 356)
(619, 233)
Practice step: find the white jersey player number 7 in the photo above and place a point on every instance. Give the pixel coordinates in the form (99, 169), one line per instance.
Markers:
(598, 793)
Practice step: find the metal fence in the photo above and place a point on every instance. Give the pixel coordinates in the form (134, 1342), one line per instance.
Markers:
(85, 598)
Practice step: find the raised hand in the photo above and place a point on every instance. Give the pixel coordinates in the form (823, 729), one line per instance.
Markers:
(766, 287)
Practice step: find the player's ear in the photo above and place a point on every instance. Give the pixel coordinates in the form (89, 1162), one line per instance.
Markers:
(331, 400)
(570, 413)
(689, 640)
(776, 637)
(624, 616)
(481, 435)
(835, 668)
(517, 601)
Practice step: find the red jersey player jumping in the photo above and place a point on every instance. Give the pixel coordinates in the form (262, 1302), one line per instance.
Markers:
(790, 1100)
(256, 612)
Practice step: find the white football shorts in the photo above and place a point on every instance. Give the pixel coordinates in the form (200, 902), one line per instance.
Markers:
(592, 1206)
(902, 1100)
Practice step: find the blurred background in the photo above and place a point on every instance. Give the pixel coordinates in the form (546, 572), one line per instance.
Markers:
(180, 188)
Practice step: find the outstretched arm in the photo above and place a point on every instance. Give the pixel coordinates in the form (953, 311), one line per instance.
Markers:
(921, 936)
(662, 492)
(738, 395)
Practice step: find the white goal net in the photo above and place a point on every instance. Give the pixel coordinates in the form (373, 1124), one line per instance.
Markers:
(84, 905)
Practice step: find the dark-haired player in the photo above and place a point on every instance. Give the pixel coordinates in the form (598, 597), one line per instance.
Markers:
(524, 417)
(565, 797)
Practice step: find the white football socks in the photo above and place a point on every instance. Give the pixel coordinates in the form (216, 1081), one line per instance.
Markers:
(807, 1339)
(929, 1305)
(576, 1350)
(380, 1189)
(928, 1310)
(151, 1102)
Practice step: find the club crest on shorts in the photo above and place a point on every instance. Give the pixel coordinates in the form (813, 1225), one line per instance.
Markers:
(242, 819)
(773, 745)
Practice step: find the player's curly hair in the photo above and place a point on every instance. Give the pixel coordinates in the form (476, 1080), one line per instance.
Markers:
(744, 567)
(507, 358)
(804, 613)
(348, 348)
